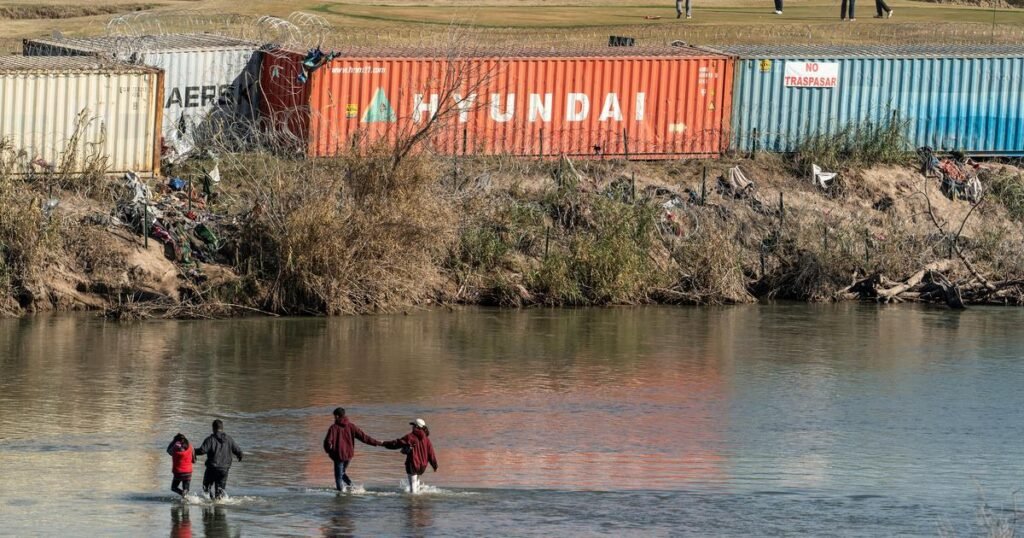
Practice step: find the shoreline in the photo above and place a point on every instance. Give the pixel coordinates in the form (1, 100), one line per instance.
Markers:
(351, 235)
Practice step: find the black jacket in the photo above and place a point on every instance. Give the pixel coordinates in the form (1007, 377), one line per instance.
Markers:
(218, 448)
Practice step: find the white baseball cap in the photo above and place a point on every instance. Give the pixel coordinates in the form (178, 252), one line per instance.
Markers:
(420, 423)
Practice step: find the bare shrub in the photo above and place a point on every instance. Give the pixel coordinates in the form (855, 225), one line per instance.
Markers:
(26, 236)
(348, 235)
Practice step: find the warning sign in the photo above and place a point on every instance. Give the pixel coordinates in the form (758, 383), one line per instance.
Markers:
(766, 66)
(812, 74)
(351, 110)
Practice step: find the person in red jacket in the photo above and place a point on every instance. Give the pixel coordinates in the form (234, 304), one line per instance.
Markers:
(340, 445)
(182, 458)
(418, 450)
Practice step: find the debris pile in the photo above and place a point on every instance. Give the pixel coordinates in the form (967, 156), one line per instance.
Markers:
(176, 214)
(958, 174)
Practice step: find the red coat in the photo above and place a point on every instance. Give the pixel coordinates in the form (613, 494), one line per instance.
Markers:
(340, 443)
(419, 453)
(181, 458)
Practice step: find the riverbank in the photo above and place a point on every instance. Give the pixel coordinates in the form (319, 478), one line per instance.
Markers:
(357, 235)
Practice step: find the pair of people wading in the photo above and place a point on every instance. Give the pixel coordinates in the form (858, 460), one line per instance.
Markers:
(339, 444)
(218, 448)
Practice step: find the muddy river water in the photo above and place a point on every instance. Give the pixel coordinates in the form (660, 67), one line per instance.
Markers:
(747, 421)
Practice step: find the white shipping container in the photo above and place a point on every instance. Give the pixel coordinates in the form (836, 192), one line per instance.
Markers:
(211, 82)
(71, 110)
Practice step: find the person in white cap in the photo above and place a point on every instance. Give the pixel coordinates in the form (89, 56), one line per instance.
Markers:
(418, 450)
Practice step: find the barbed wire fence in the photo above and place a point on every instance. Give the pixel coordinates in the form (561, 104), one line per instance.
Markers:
(302, 31)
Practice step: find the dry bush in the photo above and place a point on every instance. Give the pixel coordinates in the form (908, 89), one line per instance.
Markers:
(348, 235)
(601, 254)
(710, 262)
(26, 235)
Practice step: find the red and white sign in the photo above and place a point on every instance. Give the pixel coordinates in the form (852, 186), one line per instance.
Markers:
(812, 74)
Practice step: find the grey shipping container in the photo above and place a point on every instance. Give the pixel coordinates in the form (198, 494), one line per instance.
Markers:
(78, 112)
(211, 81)
(952, 97)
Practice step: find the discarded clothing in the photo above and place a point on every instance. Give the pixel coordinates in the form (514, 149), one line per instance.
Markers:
(735, 183)
(313, 60)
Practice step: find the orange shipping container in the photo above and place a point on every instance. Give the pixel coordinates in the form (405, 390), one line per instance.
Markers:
(643, 103)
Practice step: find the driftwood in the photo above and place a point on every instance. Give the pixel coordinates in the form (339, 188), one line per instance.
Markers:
(931, 285)
(887, 295)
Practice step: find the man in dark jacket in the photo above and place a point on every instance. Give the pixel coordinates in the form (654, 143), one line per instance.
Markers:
(218, 448)
(340, 445)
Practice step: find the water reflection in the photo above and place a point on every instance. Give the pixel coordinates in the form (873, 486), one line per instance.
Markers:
(419, 512)
(215, 523)
(770, 398)
(340, 523)
(181, 524)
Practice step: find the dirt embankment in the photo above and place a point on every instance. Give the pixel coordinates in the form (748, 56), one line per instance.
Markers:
(354, 236)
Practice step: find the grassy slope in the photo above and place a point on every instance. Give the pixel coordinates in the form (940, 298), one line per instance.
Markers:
(533, 14)
(578, 15)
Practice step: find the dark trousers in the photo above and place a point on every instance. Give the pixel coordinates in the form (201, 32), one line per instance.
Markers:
(339, 475)
(843, 13)
(215, 481)
(881, 7)
(181, 479)
(778, 5)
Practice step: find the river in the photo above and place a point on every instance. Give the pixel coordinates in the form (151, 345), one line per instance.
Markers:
(843, 420)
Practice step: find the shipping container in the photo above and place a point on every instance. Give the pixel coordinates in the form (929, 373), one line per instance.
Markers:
(629, 102)
(70, 111)
(211, 81)
(958, 97)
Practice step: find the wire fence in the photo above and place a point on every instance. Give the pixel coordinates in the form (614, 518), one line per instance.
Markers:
(303, 30)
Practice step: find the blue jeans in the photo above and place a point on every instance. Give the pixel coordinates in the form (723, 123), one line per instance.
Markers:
(845, 13)
(340, 476)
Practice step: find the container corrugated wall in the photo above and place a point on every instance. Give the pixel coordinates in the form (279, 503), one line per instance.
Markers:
(974, 104)
(203, 89)
(644, 106)
(206, 88)
(40, 111)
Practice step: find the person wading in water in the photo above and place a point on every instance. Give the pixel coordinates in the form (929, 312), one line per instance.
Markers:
(340, 445)
(182, 458)
(218, 448)
(418, 450)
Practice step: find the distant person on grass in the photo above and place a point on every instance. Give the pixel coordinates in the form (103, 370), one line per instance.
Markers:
(679, 9)
(418, 450)
(778, 7)
(883, 10)
(218, 448)
(340, 445)
(847, 14)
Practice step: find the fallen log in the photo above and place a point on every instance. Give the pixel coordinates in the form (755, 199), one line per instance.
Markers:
(888, 294)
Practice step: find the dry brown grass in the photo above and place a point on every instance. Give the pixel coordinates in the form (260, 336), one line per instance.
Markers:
(67, 11)
(348, 235)
(27, 238)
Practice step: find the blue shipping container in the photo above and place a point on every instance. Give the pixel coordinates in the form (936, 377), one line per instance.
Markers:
(968, 98)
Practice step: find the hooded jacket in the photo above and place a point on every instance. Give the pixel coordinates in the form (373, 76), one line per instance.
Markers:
(420, 451)
(218, 448)
(182, 457)
(340, 443)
